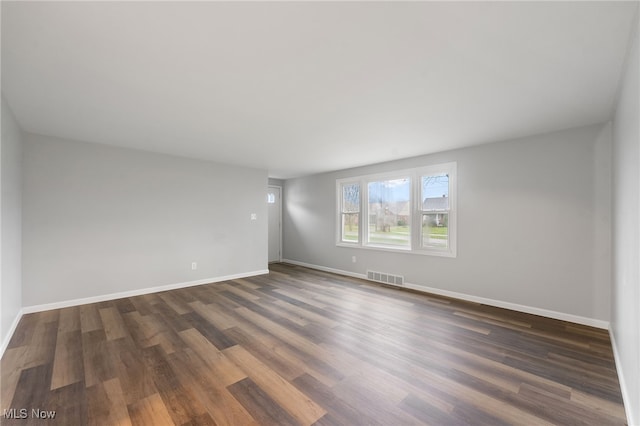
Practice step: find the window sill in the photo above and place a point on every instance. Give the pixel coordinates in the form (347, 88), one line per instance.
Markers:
(421, 252)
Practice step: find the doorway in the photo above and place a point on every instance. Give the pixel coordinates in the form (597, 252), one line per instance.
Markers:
(274, 211)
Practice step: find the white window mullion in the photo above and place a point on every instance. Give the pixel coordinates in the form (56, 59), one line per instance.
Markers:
(364, 209)
(416, 217)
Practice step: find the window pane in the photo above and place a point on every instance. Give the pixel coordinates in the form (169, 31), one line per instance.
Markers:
(351, 197)
(435, 192)
(350, 216)
(435, 230)
(390, 212)
(350, 227)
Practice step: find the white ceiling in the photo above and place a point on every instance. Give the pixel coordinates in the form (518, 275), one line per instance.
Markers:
(301, 88)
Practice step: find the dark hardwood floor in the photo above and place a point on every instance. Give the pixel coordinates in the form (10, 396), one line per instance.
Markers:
(302, 347)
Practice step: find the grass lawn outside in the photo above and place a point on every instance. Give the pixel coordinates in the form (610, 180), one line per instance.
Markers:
(397, 236)
(400, 235)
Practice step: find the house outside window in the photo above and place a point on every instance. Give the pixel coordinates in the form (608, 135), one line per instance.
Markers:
(435, 210)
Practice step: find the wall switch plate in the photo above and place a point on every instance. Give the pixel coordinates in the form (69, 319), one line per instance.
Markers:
(353, 259)
(194, 266)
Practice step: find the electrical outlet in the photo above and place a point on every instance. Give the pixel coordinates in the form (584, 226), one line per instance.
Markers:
(194, 266)
(254, 216)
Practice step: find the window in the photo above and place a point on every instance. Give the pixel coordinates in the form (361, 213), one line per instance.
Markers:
(350, 212)
(389, 207)
(409, 210)
(434, 210)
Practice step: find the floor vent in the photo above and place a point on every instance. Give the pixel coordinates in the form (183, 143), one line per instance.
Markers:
(385, 278)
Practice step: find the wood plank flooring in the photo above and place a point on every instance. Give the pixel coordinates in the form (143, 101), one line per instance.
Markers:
(303, 347)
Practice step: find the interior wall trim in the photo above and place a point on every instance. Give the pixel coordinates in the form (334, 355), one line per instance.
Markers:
(623, 384)
(12, 330)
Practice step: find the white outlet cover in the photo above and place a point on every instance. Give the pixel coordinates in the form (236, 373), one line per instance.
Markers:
(254, 216)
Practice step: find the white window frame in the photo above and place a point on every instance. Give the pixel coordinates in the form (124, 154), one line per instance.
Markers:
(415, 176)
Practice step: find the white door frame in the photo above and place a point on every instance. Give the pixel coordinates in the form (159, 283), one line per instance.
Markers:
(279, 224)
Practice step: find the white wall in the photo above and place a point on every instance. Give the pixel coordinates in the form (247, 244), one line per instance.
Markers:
(533, 225)
(100, 220)
(625, 321)
(11, 229)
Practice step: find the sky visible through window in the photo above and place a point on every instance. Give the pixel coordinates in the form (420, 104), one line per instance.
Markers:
(396, 190)
(434, 186)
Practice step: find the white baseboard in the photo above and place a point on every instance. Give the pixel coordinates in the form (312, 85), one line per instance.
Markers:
(12, 330)
(623, 383)
(513, 306)
(476, 299)
(325, 269)
(112, 296)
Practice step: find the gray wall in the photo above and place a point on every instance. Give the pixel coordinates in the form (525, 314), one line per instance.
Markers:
(276, 182)
(100, 220)
(625, 321)
(11, 217)
(533, 224)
